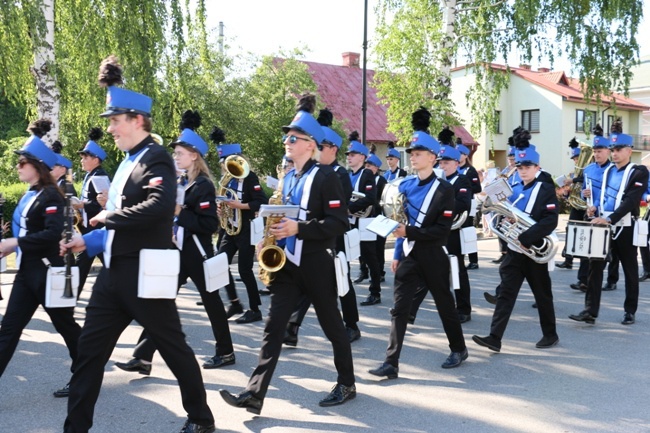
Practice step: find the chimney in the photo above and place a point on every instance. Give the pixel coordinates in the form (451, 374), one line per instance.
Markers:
(524, 66)
(543, 69)
(351, 60)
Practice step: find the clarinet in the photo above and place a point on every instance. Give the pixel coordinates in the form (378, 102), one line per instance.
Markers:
(69, 227)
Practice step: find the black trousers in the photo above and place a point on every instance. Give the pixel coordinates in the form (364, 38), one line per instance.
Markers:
(612, 268)
(623, 249)
(513, 270)
(192, 267)
(242, 243)
(583, 271)
(85, 263)
(113, 305)
(645, 258)
(380, 245)
(314, 278)
(369, 257)
(27, 294)
(413, 273)
(469, 222)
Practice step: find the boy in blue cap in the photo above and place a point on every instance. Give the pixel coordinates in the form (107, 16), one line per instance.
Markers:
(623, 186)
(470, 172)
(392, 158)
(538, 200)
(139, 215)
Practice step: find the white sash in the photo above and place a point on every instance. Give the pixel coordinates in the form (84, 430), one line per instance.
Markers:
(352, 218)
(619, 196)
(408, 245)
(23, 226)
(302, 216)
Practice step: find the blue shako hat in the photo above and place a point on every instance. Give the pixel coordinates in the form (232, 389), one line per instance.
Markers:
(600, 142)
(92, 148)
(119, 100)
(325, 119)
(36, 149)
(621, 140)
(63, 161)
(449, 152)
(394, 153)
(462, 149)
(527, 156)
(423, 141)
(374, 160)
(225, 150)
(575, 152)
(189, 138)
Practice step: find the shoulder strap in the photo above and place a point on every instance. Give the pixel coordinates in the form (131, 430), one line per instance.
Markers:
(200, 247)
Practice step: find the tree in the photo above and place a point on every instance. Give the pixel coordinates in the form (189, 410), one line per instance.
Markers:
(417, 40)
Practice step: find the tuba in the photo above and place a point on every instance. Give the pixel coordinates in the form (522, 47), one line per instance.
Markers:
(393, 202)
(271, 257)
(509, 222)
(585, 158)
(234, 167)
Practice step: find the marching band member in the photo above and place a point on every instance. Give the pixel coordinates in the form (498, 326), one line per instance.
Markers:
(363, 182)
(139, 215)
(250, 196)
(309, 242)
(92, 201)
(60, 170)
(328, 151)
(196, 221)
(37, 224)
(644, 250)
(373, 163)
(470, 172)
(420, 244)
(623, 186)
(393, 158)
(538, 200)
(510, 173)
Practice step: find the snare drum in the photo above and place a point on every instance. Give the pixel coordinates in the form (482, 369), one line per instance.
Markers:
(588, 241)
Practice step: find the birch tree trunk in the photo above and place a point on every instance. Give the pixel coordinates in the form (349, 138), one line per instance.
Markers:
(47, 92)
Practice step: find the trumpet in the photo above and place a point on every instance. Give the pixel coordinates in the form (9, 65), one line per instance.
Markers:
(271, 257)
(234, 167)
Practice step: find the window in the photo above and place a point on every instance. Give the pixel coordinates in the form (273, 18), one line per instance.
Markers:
(530, 120)
(585, 120)
(497, 121)
(610, 122)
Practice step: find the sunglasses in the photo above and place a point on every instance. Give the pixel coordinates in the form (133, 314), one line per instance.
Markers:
(22, 162)
(293, 139)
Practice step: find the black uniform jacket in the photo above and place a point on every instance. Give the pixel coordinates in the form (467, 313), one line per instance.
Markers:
(366, 186)
(92, 207)
(462, 193)
(636, 186)
(44, 225)
(436, 225)
(472, 175)
(544, 212)
(148, 202)
(199, 213)
(327, 212)
(254, 195)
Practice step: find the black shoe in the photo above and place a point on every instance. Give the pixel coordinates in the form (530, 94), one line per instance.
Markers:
(264, 292)
(411, 319)
(339, 395)
(199, 303)
(609, 287)
(455, 359)
(535, 305)
(628, 319)
(353, 334)
(579, 286)
(291, 335)
(372, 300)
(360, 278)
(464, 318)
(218, 361)
(499, 260)
(564, 265)
(644, 276)
(490, 342)
(385, 370)
(584, 316)
(245, 400)
(135, 365)
(190, 427)
(472, 266)
(63, 392)
(235, 308)
(250, 316)
(490, 298)
(547, 342)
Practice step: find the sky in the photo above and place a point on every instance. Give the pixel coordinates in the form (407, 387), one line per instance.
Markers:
(335, 27)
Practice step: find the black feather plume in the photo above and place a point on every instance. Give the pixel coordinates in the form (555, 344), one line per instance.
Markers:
(459, 141)
(307, 102)
(511, 141)
(325, 117)
(373, 148)
(95, 134)
(617, 127)
(421, 119)
(190, 120)
(57, 147)
(598, 130)
(391, 145)
(354, 136)
(446, 136)
(40, 127)
(522, 139)
(574, 143)
(110, 72)
(217, 135)
(517, 130)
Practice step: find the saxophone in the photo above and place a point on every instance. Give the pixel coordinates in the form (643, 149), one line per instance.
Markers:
(271, 257)
(509, 222)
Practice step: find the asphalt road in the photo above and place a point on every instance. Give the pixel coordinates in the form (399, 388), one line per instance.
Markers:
(596, 380)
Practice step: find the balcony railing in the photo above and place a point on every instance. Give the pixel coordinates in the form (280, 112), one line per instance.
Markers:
(641, 142)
